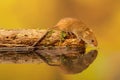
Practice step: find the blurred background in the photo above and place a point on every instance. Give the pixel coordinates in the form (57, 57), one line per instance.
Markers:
(103, 16)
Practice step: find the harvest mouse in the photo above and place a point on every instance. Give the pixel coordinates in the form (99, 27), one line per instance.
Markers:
(78, 28)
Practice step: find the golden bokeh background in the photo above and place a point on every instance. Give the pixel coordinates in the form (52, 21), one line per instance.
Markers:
(102, 15)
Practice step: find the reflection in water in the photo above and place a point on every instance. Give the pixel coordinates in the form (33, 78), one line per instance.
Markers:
(70, 59)
(77, 63)
(74, 61)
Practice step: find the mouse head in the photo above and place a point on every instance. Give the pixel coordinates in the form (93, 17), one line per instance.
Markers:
(89, 37)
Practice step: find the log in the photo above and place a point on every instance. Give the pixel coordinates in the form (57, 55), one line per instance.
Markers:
(17, 46)
(53, 47)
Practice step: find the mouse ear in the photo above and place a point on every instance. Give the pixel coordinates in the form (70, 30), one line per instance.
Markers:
(88, 31)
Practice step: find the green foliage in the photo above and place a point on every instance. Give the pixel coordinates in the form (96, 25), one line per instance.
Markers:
(63, 35)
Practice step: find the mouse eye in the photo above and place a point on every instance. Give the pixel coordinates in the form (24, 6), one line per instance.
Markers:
(92, 40)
